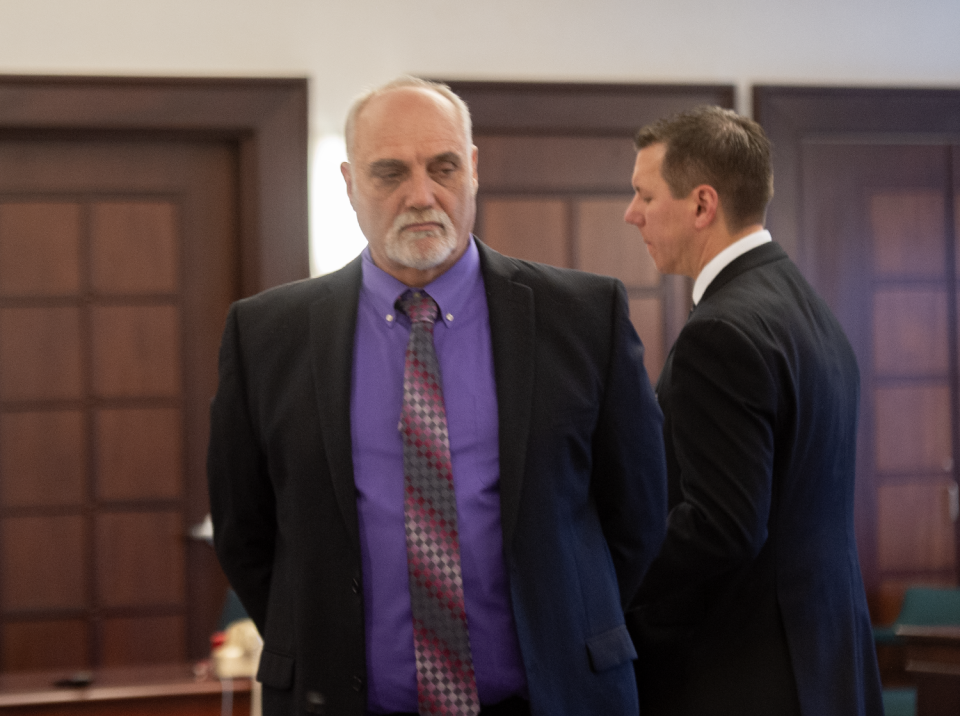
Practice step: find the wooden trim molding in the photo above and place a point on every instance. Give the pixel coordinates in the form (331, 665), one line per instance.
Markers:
(266, 117)
(792, 115)
(579, 108)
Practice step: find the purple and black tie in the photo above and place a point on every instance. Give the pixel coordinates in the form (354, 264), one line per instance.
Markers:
(445, 680)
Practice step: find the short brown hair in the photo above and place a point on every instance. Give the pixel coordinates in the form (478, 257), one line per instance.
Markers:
(716, 146)
(402, 82)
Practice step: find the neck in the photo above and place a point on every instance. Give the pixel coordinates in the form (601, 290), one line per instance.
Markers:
(415, 278)
(720, 240)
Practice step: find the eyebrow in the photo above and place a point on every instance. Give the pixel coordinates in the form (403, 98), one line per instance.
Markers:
(387, 165)
(452, 157)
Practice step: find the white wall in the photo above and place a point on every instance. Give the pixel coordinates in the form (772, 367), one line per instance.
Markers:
(345, 45)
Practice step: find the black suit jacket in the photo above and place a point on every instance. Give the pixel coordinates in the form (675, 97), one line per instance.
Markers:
(582, 483)
(755, 604)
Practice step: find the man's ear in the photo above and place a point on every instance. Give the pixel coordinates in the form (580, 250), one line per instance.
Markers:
(707, 205)
(473, 161)
(347, 171)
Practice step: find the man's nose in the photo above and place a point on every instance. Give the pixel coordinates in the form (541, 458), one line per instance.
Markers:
(634, 214)
(421, 191)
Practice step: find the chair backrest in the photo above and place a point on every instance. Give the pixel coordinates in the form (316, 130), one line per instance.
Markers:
(930, 606)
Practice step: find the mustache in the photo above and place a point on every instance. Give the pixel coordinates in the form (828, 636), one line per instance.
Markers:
(413, 216)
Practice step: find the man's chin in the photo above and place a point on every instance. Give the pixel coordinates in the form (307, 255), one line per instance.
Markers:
(421, 254)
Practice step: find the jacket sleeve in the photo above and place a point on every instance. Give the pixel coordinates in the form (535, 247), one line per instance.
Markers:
(629, 478)
(242, 502)
(722, 409)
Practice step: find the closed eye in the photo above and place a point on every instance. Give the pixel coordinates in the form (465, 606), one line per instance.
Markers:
(445, 166)
(388, 170)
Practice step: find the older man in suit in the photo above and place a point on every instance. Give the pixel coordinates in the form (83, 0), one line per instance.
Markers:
(436, 475)
(755, 603)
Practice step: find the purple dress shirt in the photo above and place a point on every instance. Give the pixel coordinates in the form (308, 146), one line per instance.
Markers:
(462, 341)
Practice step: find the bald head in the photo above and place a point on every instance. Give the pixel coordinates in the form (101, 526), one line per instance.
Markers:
(407, 82)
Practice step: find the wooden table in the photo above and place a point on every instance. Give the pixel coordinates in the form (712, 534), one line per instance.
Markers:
(167, 690)
(933, 658)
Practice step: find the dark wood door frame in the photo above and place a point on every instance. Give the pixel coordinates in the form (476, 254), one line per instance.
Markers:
(266, 117)
(546, 107)
(793, 115)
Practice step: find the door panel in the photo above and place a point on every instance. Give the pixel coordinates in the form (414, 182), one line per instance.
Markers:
(875, 239)
(555, 163)
(108, 338)
(913, 430)
(134, 247)
(533, 229)
(907, 228)
(170, 195)
(140, 558)
(135, 351)
(39, 248)
(143, 640)
(45, 557)
(607, 245)
(53, 643)
(908, 336)
(40, 355)
(43, 458)
(917, 530)
(139, 454)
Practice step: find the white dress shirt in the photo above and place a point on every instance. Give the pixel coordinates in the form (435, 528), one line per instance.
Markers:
(718, 263)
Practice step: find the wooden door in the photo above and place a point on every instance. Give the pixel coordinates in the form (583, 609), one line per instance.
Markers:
(867, 207)
(555, 163)
(117, 264)
(120, 252)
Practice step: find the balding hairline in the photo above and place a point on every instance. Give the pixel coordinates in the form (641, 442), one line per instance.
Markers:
(406, 82)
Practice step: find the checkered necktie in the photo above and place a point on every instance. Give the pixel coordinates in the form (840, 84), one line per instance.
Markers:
(445, 679)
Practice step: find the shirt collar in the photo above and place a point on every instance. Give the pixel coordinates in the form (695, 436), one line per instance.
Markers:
(720, 261)
(450, 289)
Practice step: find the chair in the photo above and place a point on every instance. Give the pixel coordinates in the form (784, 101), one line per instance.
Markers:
(900, 701)
(233, 610)
(922, 606)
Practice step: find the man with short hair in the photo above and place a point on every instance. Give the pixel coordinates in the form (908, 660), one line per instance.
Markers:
(436, 475)
(755, 603)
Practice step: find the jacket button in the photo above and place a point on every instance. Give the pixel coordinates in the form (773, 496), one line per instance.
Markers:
(356, 585)
(357, 683)
(315, 703)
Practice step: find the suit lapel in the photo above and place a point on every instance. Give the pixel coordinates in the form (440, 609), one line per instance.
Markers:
(333, 322)
(513, 334)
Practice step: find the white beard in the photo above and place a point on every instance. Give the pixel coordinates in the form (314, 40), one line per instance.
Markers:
(420, 250)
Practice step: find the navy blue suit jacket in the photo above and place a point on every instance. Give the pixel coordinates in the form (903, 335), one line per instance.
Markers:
(582, 483)
(755, 604)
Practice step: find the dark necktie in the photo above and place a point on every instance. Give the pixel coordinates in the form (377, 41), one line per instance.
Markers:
(445, 678)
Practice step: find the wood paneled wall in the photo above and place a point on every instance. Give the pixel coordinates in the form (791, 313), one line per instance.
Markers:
(555, 164)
